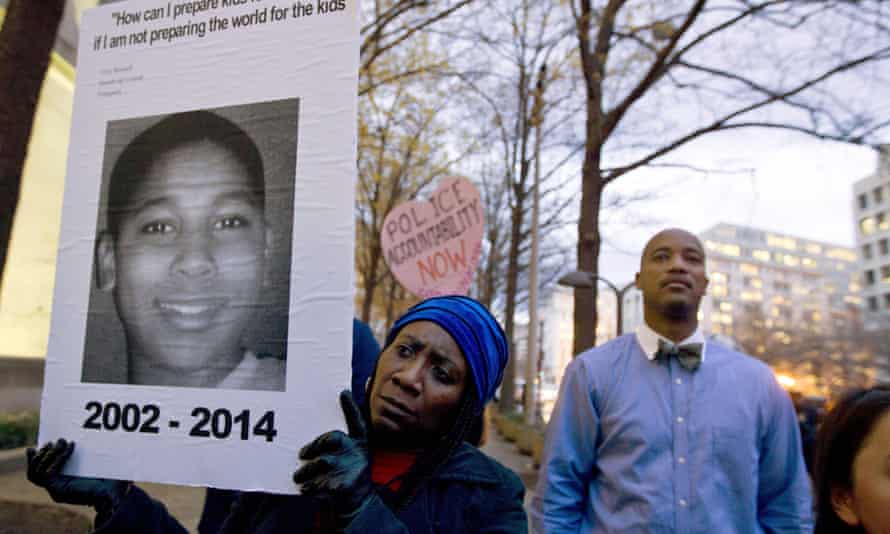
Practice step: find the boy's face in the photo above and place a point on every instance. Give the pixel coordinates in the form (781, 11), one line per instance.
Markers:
(188, 262)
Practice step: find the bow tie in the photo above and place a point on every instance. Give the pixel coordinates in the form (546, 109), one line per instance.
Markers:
(688, 355)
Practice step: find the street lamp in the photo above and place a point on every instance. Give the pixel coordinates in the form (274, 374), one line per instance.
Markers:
(586, 280)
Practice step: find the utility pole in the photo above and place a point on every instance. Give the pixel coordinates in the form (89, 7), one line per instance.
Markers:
(532, 345)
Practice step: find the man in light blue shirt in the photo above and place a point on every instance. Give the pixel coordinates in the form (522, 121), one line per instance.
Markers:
(663, 432)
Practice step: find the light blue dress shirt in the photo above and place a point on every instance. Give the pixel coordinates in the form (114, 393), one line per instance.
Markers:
(636, 444)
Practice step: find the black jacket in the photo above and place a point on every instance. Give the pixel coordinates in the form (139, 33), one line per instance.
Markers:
(471, 493)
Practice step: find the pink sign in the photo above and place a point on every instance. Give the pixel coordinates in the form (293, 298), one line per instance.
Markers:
(433, 247)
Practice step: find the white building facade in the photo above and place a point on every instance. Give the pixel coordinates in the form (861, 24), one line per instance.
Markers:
(871, 209)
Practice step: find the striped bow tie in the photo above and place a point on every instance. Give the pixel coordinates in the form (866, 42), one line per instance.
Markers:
(688, 355)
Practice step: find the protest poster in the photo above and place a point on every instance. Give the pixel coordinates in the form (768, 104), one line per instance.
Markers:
(202, 318)
(433, 247)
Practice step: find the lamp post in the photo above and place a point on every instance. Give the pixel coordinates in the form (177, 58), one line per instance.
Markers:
(585, 280)
(532, 345)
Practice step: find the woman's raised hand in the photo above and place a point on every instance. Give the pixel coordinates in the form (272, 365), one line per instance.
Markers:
(336, 465)
(45, 470)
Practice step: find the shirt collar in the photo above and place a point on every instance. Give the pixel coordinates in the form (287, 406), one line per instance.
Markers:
(648, 340)
(240, 376)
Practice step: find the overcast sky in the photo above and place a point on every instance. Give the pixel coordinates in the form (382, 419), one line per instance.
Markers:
(783, 182)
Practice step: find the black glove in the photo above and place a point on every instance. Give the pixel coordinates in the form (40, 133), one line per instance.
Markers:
(337, 467)
(45, 470)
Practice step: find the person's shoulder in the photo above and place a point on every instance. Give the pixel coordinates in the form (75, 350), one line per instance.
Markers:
(269, 373)
(739, 361)
(363, 339)
(607, 354)
(469, 464)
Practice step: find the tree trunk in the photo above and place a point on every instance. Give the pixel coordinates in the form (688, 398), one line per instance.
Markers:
(585, 314)
(508, 385)
(487, 282)
(593, 58)
(26, 40)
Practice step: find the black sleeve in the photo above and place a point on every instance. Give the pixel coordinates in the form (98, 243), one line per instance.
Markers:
(139, 514)
(217, 506)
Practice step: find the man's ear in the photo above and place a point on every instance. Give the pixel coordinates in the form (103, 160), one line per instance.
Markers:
(267, 254)
(270, 241)
(842, 502)
(106, 268)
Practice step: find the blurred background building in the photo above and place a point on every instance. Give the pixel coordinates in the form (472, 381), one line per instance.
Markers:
(794, 303)
(871, 208)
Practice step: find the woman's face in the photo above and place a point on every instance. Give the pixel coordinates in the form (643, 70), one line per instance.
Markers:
(868, 504)
(420, 379)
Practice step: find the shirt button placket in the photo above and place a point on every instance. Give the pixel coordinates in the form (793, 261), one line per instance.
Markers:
(681, 403)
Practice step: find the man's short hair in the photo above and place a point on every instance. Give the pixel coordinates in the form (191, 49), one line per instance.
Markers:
(176, 130)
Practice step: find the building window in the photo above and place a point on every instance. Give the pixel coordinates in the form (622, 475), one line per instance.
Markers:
(724, 248)
(863, 201)
(752, 296)
(790, 260)
(869, 277)
(761, 255)
(747, 268)
(813, 248)
(866, 251)
(881, 220)
(878, 194)
(884, 247)
(782, 286)
(867, 225)
(885, 273)
(844, 254)
(887, 300)
(873, 303)
(781, 242)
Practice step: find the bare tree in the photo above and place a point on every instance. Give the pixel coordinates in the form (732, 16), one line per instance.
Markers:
(393, 24)
(401, 153)
(659, 75)
(26, 40)
(502, 77)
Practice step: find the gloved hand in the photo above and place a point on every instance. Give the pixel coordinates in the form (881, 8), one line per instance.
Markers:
(45, 470)
(337, 466)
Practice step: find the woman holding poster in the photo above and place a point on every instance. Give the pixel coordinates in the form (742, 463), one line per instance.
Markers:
(403, 467)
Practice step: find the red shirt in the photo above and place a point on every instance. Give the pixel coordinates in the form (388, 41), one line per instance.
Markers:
(388, 467)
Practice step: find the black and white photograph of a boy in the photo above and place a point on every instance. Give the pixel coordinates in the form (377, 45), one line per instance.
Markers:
(192, 256)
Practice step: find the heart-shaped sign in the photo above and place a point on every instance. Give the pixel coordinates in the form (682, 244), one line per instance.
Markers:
(433, 247)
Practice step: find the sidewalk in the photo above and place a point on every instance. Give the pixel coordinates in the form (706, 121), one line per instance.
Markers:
(184, 502)
(507, 453)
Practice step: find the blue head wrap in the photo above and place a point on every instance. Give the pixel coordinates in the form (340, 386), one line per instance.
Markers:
(476, 332)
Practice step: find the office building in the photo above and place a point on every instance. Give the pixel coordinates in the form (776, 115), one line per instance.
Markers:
(871, 208)
(793, 302)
